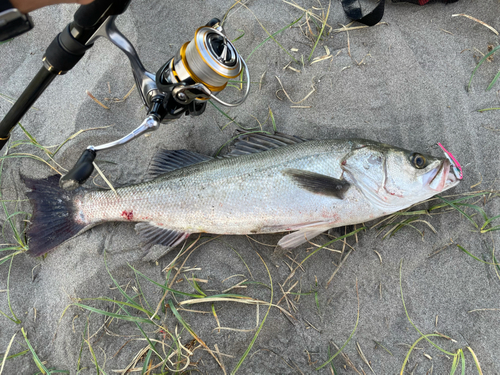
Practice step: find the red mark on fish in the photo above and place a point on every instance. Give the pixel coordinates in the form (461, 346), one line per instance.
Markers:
(129, 215)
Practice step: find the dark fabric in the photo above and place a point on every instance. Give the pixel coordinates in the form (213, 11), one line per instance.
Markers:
(4, 5)
(423, 2)
(352, 9)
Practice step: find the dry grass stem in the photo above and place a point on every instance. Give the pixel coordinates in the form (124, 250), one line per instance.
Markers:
(260, 243)
(104, 178)
(478, 21)
(361, 354)
(230, 277)
(96, 100)
(235, 286)
(308, 12)
(446, 31)
(483, 310)
(245, 300)
(261, 80)
(338, 268)
(284, 91)
(321, 58)
(326, 248)
(347, 359)
(220, 359)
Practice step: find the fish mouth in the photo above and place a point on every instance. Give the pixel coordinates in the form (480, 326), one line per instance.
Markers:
(442, 178)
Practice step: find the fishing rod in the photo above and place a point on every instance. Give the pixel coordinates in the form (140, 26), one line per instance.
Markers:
(198, 72)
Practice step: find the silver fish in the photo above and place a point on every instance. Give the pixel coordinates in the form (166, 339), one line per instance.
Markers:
(267, 184)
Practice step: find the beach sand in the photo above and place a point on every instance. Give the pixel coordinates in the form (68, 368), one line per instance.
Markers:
(402, 82)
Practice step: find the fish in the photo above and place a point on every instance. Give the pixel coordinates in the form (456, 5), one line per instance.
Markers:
(268, 183)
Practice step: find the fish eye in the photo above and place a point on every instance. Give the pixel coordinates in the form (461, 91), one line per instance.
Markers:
(418, 161)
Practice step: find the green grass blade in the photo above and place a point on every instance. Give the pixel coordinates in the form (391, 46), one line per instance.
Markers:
(476, 258)
(147, 359)
(15, 318)
(453, 205)
(331, 364)
(18, 354)
(38, 363)
(127, 297)
(332, 241)
(493, 81)
(133, 305)
(454, 364)
(240, 36)
(113, 315)
(165, 287)
(481, 63)
(411, 349)
(240, 362)
(225, 115)
(321, 32)
(408, 316)
(488, 109)
(349, 338)
(489, 220)
(185, 324)
(271, 36)
(463, 361)
(7, 352)
(476, 361)
(140, 291)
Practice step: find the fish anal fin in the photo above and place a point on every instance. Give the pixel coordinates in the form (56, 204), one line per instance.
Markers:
(318, 183)
(169, 160)
(153, 235)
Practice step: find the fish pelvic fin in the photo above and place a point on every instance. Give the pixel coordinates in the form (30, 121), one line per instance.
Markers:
(153, 235)
(301, 236)
(54, 215)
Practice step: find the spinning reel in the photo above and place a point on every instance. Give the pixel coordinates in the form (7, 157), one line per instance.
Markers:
(198, 72)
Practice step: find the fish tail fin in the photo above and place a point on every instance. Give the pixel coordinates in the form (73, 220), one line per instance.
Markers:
(53, 220)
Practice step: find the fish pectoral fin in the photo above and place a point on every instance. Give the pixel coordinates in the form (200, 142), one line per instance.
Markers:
(318, 183)
(302, 236)
(169, 160)
(152, 235)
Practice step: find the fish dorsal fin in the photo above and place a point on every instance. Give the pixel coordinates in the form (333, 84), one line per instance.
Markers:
(251, 143)
(168, 160)
(152, 235)
(318, 183)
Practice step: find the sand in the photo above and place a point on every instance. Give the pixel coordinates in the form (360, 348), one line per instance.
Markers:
(402, 82)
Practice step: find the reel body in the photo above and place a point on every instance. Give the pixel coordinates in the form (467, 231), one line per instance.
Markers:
(202, 68)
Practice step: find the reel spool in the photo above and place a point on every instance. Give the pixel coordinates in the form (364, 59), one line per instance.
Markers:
(210, 60)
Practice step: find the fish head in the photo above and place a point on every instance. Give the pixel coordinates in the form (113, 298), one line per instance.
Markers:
(392, 178)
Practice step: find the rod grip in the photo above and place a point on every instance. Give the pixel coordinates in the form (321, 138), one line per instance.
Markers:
(88, 16)
(80, 172)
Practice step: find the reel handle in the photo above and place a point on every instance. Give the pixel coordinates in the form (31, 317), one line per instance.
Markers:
(80, 172)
